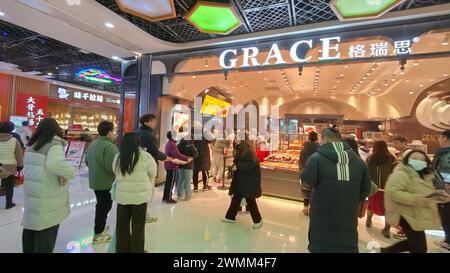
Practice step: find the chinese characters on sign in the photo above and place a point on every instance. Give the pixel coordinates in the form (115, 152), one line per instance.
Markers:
(34, 114)
(330, 50)
(65, 94)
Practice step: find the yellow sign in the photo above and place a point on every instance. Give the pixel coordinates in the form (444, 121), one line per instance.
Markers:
(214, 106)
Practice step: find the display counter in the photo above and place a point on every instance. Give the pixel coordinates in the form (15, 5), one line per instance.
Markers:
(280, 175)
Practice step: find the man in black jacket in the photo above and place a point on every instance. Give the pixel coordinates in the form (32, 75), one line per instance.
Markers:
(150, 144)
(441, 165)
(148, 137)
(340, 182)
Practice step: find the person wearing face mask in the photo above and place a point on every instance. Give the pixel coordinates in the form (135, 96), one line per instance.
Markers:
(99, 158)
(410, 201)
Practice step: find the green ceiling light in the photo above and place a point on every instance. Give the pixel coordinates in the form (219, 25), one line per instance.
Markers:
(362, 9)
(213, 17)
(151, 10)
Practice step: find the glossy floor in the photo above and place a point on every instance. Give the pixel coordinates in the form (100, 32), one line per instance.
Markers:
(192, 226)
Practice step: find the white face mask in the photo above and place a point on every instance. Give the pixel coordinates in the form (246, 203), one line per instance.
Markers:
(417, 165)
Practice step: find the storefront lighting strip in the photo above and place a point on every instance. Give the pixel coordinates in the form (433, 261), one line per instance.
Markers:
(419, 56)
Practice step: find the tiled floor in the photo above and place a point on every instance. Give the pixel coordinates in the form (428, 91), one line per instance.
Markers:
(192, 226)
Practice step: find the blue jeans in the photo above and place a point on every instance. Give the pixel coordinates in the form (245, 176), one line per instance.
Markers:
(184, 183)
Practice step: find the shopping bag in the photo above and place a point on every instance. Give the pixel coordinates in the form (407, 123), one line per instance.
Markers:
(363, 208)
(19, 178)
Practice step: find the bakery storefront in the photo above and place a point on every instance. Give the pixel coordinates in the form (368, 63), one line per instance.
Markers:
(372, 83)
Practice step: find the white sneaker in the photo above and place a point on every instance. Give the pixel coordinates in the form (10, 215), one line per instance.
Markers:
(226, 220)
(257, 225)
(151, 219)
(101, 238)
(443, 245)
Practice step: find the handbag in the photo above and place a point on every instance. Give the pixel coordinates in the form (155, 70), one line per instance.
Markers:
(363, 208)
(19, 178)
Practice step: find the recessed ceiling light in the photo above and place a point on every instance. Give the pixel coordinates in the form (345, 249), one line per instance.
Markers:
(260, 72)
(378, 89)
(411, 92)
(386, 84)
(338, 81)
(270, 83)
(334, 86)
(109, 25)
(364, 78)
(264, 79)
(407, 81)
(115, 58)
(368, 74)
(342, 75)
(345, 66)
(431, 80)
(416, 64)
(373, 69)
(233, 87)
(317, 69)
(2, 13)
(445, 75)
(54, 82)
(50, 74)
(393, 79)
(378, 63)
(420, 85)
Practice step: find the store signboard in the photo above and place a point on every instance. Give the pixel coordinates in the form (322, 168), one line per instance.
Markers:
(75, 153)
(330, 48)
(65, 93)
(33, 107)
(214, 106)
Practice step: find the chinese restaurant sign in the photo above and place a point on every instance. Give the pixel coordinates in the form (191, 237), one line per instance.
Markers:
(330, 51)
(33, 107)
(64, 93)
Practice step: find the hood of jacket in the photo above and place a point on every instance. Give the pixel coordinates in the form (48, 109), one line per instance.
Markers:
(5, 136)
(341, 154)
(442, 151)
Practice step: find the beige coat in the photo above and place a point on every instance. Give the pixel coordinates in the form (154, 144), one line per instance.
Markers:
(404, 194)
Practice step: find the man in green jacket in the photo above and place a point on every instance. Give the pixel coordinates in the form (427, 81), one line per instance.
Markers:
(99, 159)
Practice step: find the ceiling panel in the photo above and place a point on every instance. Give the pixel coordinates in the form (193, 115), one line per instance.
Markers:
(257, 15)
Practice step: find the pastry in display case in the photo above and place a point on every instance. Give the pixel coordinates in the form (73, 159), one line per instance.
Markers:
(283, 160)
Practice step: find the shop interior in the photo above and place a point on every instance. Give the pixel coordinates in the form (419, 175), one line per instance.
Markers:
(85, 117)
(362, 98)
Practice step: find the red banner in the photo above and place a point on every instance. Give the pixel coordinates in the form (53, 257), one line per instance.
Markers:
(34, 107)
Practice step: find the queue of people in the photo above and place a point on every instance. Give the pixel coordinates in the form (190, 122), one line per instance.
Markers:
(408, 189)
(411, 191)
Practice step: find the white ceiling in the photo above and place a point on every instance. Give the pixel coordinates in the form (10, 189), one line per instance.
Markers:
(83, 26)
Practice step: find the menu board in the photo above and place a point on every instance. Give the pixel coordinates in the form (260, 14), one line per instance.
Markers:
(75, 153)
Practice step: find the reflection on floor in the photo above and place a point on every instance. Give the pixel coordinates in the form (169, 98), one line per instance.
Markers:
(192, 226)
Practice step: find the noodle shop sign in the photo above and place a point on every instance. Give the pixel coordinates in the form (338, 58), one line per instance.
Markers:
(330, 50)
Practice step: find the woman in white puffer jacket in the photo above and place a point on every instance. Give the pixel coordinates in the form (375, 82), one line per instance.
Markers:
(46, 202)
(135, 171)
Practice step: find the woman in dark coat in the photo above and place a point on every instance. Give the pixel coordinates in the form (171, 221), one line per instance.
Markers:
(202, 163)
(246, 183)
(381, 164)
(309, 148)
